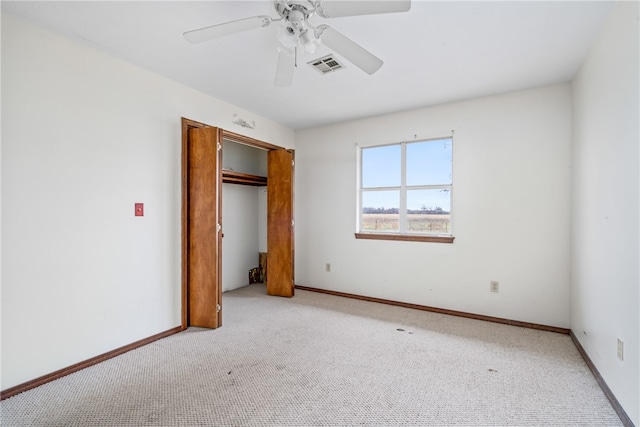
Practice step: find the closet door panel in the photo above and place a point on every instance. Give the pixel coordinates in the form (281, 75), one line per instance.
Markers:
(204, 272)
(280, 225)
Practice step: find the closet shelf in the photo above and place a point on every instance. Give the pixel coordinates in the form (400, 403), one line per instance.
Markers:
(232, 177)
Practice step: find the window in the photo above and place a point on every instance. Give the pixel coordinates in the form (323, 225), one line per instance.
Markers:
(405, 191)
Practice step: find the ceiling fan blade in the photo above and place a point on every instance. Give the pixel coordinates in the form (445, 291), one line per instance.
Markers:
(350, 50)
(284, 72)
(228, 28)
(339, 8)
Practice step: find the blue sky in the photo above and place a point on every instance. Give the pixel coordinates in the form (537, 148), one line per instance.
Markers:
(428, 162)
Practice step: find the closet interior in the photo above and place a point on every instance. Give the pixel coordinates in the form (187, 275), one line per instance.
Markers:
(244, 212)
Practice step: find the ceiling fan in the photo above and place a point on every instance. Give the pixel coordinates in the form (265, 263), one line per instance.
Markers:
(296, 32)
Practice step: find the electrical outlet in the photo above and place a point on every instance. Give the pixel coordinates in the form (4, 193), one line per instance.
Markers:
(327, 268)
(620, 349)
(494, 286)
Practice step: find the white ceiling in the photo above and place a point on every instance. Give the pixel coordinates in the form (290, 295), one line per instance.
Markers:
(435, 53)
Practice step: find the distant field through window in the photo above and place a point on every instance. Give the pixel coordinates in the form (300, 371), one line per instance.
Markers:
(405, 189)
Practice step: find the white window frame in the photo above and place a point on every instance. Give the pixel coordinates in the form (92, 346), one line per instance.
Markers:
(402, 234)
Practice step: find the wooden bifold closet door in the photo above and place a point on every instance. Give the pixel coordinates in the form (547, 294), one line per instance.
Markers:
(204, 289)
(280, 225)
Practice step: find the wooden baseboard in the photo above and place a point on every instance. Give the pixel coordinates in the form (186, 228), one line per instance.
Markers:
(84, 364)
(440, 310)
(603, 385)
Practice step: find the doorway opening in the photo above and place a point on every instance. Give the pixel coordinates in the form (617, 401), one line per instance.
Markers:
(203, 175)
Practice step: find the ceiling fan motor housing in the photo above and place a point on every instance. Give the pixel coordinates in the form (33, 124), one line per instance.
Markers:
(295, 14)
(283, 7)
(295, 21)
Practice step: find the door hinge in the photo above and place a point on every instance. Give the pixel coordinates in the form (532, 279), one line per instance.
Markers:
(219, 146)
(218, 228)
(293, 162)
(293, 223)
(218, 308)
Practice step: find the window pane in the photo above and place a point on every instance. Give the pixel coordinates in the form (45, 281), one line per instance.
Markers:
(380, 211)
(428, 211)
(381, 166)
(429, 162)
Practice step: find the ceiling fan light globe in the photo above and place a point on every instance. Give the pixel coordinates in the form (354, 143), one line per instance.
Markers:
(308, 40)
(306, 37)
(286, 38)
(310, 47)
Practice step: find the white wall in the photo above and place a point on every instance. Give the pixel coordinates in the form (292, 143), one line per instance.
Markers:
(84, 137)
(605, 214)
(511, 174)
(243, 158)
(240, 225)
(262, 218)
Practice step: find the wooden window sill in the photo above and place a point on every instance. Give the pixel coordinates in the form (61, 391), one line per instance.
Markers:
(405, 237)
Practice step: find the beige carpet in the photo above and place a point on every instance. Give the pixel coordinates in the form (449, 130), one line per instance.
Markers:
(323, 360)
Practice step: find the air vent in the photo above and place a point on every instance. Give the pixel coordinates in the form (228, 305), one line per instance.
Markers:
(326, 64)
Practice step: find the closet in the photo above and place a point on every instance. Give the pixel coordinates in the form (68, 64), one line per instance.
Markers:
(244, 211)
(211, 177)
